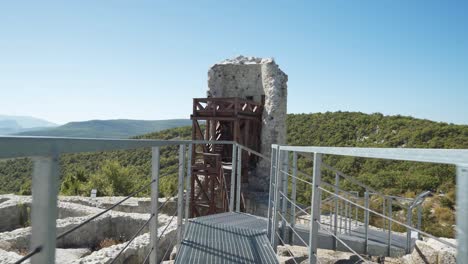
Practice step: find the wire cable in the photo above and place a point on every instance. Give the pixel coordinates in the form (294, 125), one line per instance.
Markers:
(342, 242)
(105, 211)
(147, 256)
(30, 254)
(133, 238)
(391, 219)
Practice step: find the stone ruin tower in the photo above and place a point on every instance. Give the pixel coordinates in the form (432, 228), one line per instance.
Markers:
(262, 81)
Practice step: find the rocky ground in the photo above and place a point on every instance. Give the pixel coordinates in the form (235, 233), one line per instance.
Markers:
(97, 242)
(428, 251)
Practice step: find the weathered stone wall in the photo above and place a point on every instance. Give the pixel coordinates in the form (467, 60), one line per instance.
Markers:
(246, 77)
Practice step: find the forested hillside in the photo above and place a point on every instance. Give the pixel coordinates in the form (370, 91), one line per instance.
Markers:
(119, 128)
(120, 172)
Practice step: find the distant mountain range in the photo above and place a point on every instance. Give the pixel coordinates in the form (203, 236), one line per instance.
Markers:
(118, 128)
(17, 124)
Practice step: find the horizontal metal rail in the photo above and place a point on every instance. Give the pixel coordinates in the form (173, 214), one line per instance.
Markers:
(390, 219)
(445, 156)
(14, 147)
(351, 179)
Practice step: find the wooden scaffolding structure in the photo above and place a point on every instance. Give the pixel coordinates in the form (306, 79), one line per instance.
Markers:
(230, 119)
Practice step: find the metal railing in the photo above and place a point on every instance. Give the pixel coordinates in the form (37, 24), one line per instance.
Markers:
(344, 217)
(283, 205)
(45, 152)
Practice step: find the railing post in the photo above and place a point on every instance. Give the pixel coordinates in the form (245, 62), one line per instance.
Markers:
(154, 204)
(383, 212)
(284, 201)
(335, 221)
(346, 209)
(188, 183)
(274, 237)
(239, 176)
(389, 242)
(315, 210)
(180, 193)
(44, 208)
(293, 197)
(233, 177)
(271, 191)
(366, 220)
(419, 220)
(462, 213)
(409, 216)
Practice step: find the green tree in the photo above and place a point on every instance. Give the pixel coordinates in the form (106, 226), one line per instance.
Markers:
(112, 179)
(74, 183)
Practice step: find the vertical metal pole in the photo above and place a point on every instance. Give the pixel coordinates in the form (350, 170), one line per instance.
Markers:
(154, 204)
(366, 220)
(356, 214)
(188, 182)
(284, 201)
(319, 217)
(239, 176)
(389, 242)
(346, 224)
(314, 226)
(383, 212)
(278, 182)
(44, 208)
(271, 191)
(180, 196)
(233, 177)
(462, 213)
(341, 216)
(335, 221)
(419, 220)
(293, 197)
(409, 221)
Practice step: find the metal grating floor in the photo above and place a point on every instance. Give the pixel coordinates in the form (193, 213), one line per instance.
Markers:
(226, 238)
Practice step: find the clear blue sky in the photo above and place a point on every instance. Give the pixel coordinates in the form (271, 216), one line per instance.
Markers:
(79, 60)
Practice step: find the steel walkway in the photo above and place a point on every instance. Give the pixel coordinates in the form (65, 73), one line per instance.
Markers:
(226, 238)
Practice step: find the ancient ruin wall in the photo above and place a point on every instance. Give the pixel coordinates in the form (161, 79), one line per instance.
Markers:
(249, 77)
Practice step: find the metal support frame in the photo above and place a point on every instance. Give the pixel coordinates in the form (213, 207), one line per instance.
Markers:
(335, 221)
(188, 182)
(389, 238)
(419, 224)
(274, 229)
(315, 210)
(271, 193)
(180, 195)
(409, 216)
(346, 218)
(293, 197)
(238, 179)
(233, 177)
(284, 201)
(155, 164)
(462, 213)
(366, 221)
(44, 208)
